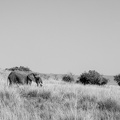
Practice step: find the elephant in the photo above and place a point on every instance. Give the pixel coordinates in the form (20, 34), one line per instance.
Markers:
(16, 77)
(22, 78)
(35, 78)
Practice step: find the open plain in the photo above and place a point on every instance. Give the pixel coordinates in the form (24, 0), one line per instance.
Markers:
(58, 100)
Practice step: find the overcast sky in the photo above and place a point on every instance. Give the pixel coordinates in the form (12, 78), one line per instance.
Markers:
(61, 36)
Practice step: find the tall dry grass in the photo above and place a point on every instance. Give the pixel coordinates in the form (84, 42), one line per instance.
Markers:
(59, 102)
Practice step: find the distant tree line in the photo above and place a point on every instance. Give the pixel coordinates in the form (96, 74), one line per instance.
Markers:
(91, 77)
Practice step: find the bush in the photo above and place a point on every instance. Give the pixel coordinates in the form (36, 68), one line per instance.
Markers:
(68, 78)
(21, 68)
(103, 81)
(117, 79)
(92, 77)
(83, 79)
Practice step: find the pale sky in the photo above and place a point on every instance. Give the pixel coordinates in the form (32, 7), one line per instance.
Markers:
(60, 36)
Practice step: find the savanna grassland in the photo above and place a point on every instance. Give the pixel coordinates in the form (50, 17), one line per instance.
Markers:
(58, 100)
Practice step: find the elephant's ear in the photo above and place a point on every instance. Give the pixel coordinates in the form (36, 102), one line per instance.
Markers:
(35, 75)
(31, 76)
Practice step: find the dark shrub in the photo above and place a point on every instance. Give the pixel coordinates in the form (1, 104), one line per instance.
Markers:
(103, 81)
(92, 77)
(117, 78)
(68, 78)
(83, 79)
(21, 68)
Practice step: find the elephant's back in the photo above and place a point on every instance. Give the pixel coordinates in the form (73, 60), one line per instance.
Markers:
(20, 74)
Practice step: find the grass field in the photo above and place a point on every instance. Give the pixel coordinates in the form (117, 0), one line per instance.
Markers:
(58, 100)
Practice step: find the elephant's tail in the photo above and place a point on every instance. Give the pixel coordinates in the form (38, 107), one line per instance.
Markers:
(8, 79)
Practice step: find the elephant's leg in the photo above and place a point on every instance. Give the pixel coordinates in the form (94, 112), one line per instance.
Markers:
(27, 82)
(30, 82)
(37, 82)
(40, 84)
(10, 82)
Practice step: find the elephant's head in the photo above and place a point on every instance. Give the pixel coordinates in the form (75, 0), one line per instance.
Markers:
(36, 78)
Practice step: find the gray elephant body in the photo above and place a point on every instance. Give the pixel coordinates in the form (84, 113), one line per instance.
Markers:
(22, 78)
(17, 78)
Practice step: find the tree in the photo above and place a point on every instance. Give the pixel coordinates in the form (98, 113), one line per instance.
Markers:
(21, 68)
(68, 77)
(92, 77)
(117, 79)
